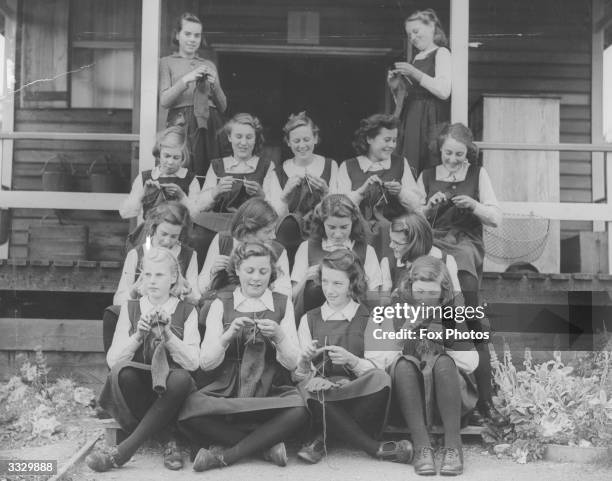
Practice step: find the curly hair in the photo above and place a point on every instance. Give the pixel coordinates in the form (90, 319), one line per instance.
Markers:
(429, 269)
(429, 17)
(178, 26)
(369, 128)
(180, 287)
(337, 205)
(172, 212)
(251, 249)
(173, 137)
(253, 215)
(458, 132)
(348, 262)
(251, 121)
(417, 232)
(300, 120)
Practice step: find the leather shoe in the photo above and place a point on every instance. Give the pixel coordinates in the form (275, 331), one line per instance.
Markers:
(396, 451)
(423, 461)
(452, 462)
(313, 452)
(475, 418)
(173, 458)
(277, 454)
(102, 460)
(206, 459)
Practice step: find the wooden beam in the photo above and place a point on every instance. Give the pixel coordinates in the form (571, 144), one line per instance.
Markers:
(51, 334)
(26, 199)
(459, 40)
(149, 61)
(598, 177)
(87, 136)
(303, 50)
(565, 147)
(560, 210)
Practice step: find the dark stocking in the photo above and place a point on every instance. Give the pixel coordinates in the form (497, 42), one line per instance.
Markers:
(448, 400)
(160, 410)
(408, 387)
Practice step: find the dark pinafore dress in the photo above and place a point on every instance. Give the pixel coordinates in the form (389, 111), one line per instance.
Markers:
(457, 232)
(293, 228)
(152, 198)
(424, 354)
(350, 336)
(311, 296)
(184, 258)
(219, 218)
(421, 113)
(111, 398)
(249, 379)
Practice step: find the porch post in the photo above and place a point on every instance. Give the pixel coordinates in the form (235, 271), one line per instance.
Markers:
(459, 37)
(149, 60)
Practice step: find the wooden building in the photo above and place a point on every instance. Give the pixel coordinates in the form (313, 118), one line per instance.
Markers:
(79, 84)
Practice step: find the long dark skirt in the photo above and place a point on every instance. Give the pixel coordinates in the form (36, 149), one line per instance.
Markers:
(112, 400)
(467, 388)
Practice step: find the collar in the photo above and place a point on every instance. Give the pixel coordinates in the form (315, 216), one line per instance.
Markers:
(425, 53)
(367, 165)
(346, 313)
(178, 55)
(326, 245)
(231, 163)
(442, 173)
(181, 173)
(169, 306)
(292, 168)
(266, 299)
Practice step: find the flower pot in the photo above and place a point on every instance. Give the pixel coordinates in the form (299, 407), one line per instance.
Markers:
(574, 454)
(60, 180)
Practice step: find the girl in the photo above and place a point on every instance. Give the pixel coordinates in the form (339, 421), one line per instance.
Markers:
(154, 346)
(190, 89)
(255, 220)
(232, 180)
(166, 225)
(336, 223)
(339, 381)
(459, 199)
(431, 377)
(304, 180)
(168, 180)
(251, 344)
(379, 182)
(421, 88)
(412, 237)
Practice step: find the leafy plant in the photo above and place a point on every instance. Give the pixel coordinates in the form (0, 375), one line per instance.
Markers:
(547, 403)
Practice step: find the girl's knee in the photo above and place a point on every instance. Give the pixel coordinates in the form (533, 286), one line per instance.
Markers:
(128, 376)
(179, 381)
(403, 370)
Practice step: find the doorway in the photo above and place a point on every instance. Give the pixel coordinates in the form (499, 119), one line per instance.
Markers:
(336, 92)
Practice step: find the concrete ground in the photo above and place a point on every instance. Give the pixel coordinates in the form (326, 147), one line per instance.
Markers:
(347, 464)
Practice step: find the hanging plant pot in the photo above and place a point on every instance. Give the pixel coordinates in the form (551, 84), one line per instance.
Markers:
(59, 178)
(575, 454)
(106, 181)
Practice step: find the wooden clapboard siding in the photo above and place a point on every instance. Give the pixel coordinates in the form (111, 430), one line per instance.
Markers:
(107, 231)
(526, 48)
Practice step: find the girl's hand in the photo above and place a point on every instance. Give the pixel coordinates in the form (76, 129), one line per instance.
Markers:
(195, 74)
(221, 263)
(270, 329)
(143, 327)
(465, 202)
(174, 191)
(437, 198)
(371, 180)
(253, 188)
(340, 356)
(408, 70)
(318, 384)
(319, 183)
(211, 77)
(167, 332)
(393, 187)
(224, 185)
(235, 327)
(308, 354)
(291, 184)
